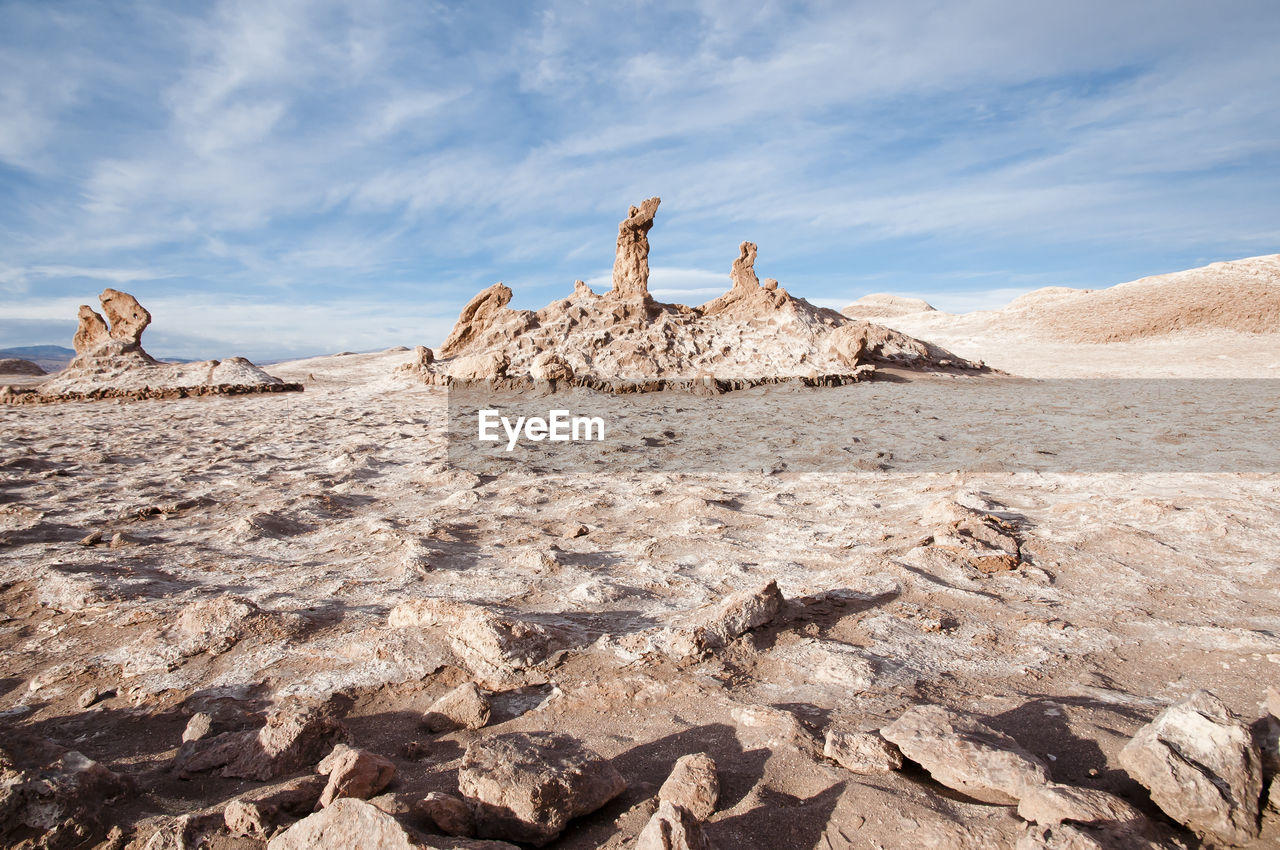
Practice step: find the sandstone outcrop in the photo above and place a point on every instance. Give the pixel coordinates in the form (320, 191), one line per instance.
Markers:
(527, 786)
(966, 755)
(625, 341)
(262, 812)
(493, 646)
(53, 797)
(1201, 766)
(881, 305)
(110, 362)
(718, 625)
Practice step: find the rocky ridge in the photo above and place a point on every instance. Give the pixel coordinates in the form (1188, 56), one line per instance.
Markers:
(625, 340)
(110, 362)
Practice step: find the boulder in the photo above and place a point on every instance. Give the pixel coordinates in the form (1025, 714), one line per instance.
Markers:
(1053, 803)
(353, 773)
(199, 726)
(92, 331)
(861, 752)
(673, 827)
(967, 756)
(1202, 768)
(260, 813)
(693, 785)
(464, 707)
(525, 786)
(631, 258)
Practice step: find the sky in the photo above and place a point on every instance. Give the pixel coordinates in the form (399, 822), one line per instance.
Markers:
(279, 178)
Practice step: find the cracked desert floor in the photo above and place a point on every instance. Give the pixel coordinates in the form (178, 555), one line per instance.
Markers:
(328, 508)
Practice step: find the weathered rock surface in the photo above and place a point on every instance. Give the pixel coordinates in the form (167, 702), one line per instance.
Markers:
(348, 824)
(623, 340)
(978, 539)
(880, 305)
(1200, 765)
(199, 726)
(966, 755)
(673, 827)
(464, 707)
(353, 773)
(861, 752)
(720, 624)
(493, 646)
(216, 625)
(190, 831)
(110, 362)
(261, 812)
(693, 784)
(297, 734)
(1069, 836)
(447, 814)
(1053, 803)
(631, 259)
(527, 786)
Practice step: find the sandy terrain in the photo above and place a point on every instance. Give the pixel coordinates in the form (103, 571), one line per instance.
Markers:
(327, 509)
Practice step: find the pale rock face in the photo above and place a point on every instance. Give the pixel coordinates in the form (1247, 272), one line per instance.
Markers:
(353, 773)
(493, 646)
(526, 786)
(861, 752)
(479, 314)
(447, 813)
(718, 625)
(92, 331)
(693, 785)
(127, 317)
(631, 262)
(966, 755)
(464, 707)
(743, 272)
(673, 827)
(260, 813)
(1201, 766)
(883, 306)
(64, 803)
(199, 726)
(552, 367)
(214, 625)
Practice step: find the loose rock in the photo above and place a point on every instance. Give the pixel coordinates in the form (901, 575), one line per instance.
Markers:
(260, 813)
(861, 752)
(673, 827)
(693, 785)
(353, 773)
(526, 786)
(1201, 767)
(966, 755)
(718, 625)
(447, 814)
(295, 737)
(493, 646)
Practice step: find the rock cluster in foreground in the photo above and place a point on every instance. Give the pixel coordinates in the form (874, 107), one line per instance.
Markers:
(110, 362)
(624, 340)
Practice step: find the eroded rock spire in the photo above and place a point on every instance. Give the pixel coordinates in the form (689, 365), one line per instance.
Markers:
(631, 263)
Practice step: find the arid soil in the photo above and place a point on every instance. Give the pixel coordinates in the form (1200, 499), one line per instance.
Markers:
(221, 555)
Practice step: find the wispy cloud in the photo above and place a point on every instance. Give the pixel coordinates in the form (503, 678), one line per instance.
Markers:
(409, 153)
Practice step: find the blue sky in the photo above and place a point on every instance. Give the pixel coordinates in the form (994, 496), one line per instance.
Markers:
(284, 178)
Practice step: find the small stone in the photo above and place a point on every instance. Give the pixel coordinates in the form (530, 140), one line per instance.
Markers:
(88, 697)
(693, 785)
(718, 625)
(1053, 803)
(448, 814)
(118, 540)
(966, 755)
(464, 707)
(865, 753)
(673, 828)
(348, 824)
(93, 538)
(353, 773)
(199, 726)
(575, 529)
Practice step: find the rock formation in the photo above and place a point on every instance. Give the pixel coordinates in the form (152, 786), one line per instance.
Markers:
(110, 362)
(624, 340)
(631, 262)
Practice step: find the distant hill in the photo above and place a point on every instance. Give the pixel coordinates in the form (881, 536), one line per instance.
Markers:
(51, 358)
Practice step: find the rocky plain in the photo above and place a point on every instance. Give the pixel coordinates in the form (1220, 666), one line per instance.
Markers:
(246, 618)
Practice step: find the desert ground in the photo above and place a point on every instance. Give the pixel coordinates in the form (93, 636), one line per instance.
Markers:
(220, 557)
